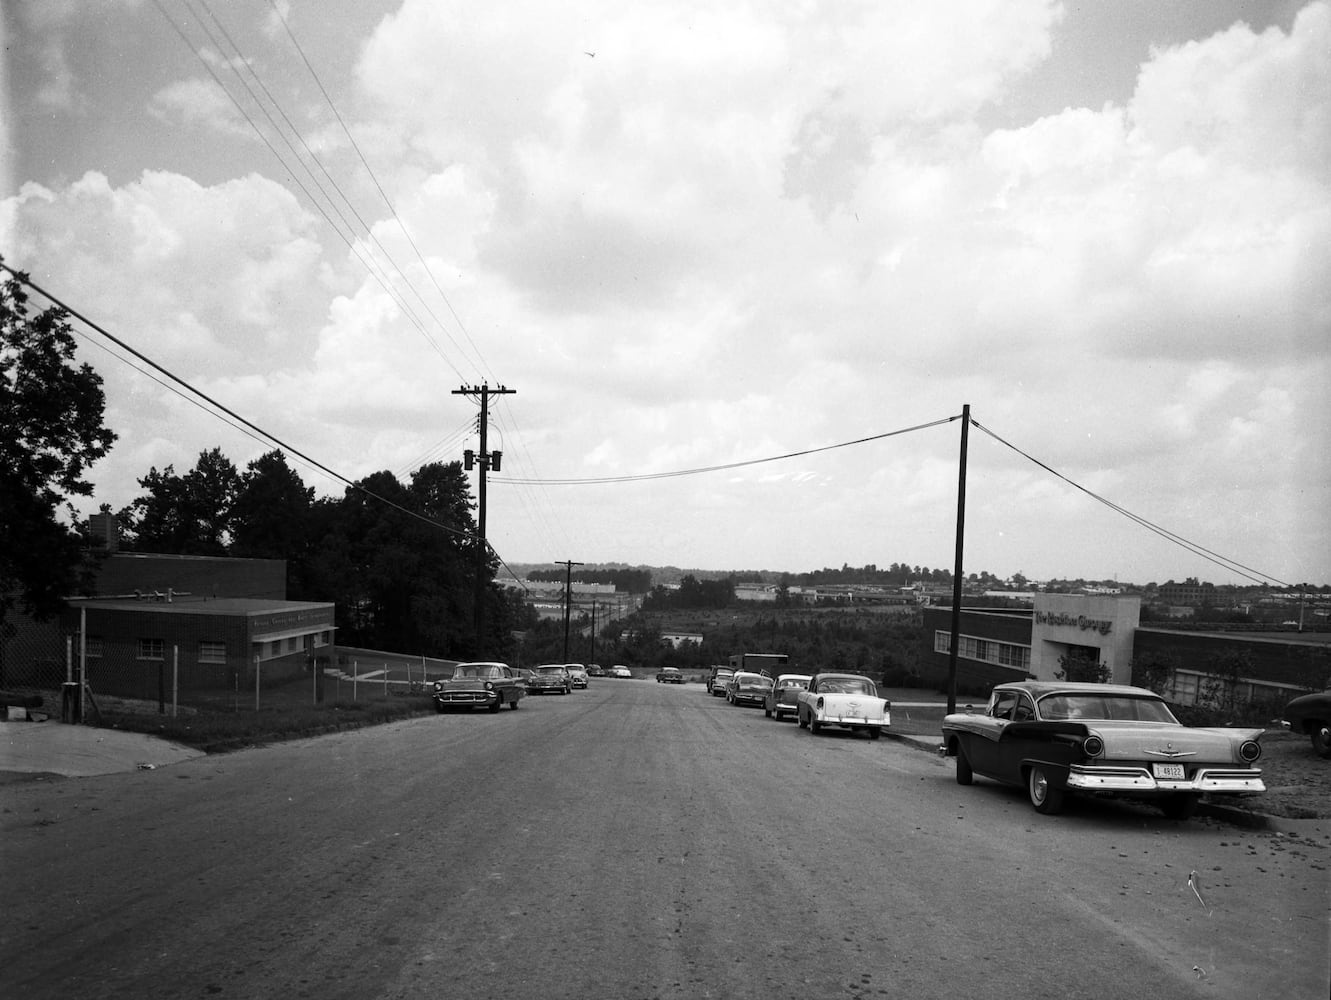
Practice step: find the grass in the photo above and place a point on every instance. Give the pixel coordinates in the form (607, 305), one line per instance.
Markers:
(228, 723)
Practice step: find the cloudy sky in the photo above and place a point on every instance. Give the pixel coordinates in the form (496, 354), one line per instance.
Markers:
(700, 234)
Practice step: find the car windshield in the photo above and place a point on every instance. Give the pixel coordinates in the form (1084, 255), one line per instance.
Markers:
(1058, 707)
(549, 670)
(846, 685)
(751, 680)
(472, 670)
(791, 682)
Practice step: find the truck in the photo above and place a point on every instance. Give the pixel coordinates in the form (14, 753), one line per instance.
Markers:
(768, 664)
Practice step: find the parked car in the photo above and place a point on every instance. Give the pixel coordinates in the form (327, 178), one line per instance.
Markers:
(747, 688)
(619, 670)
(669, 675)
(783, 694)
(577, 674)
(479, 685)
(1053, 738)
(847, 701)
(1310, 714)
(718, 679)
(550, 678)
(595, 670)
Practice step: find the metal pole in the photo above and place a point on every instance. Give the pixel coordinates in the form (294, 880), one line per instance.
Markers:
(256, 682)
(175, 683)
(956, 570)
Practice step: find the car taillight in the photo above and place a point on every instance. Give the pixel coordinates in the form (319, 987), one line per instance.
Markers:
(1250, 750)
(1092, 746)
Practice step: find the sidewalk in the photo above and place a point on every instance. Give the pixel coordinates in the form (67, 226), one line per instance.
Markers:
(29, 749)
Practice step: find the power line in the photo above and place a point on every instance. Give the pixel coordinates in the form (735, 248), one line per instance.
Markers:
(268, 437)
(721, 468)
(1214, 557)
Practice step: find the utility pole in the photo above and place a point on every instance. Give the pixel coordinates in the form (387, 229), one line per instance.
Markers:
(568, 593)
(486, 460)
(592, 657)
(956, 571)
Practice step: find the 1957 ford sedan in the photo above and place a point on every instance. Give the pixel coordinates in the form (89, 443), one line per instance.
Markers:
(1053, 738)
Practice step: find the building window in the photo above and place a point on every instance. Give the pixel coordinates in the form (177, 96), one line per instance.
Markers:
(150, 649)
(277, 647)
(212, 652)
(1005, 654)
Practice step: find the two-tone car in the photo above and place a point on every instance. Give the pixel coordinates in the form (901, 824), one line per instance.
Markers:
(843, 701)
(486, 684)
(549, 678)
(783, 695)
(748, 688)
(1054, 738)
(577, 674)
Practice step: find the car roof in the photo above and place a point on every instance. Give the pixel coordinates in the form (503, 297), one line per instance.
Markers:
(1039, 689)
(482, 663)
(793, 677)
(858, 677)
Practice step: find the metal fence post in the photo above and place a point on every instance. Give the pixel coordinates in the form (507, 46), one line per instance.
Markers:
(256, 682)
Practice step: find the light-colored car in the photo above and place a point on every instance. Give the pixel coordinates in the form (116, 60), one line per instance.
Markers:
(578, 674)
(783, 695)
(844, 701)
(748, 688)
(619, 670)
(550, 678)
(1052, 738)
(485, 684)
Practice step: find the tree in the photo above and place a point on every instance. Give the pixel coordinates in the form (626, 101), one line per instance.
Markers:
(1082, 665)
(185, 515)
(51, 411)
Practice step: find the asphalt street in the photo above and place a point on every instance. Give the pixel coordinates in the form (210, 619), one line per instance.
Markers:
(632, 840)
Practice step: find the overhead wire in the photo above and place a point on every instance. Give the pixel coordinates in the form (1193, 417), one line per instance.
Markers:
(645, 477)
(1257, 576)
(222, 408)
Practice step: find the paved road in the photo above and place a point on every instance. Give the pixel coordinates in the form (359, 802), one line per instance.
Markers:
(633, 840)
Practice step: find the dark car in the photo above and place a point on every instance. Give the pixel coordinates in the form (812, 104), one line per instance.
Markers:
(669, 675)
(748, 688)
(783, 696)
(479, 685)
(718, 679)
(1311, 715)
(595, 670)
(1052, 738)
(550, 678)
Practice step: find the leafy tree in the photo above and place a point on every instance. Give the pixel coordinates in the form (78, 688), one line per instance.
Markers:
(185, 515)
(1155, 671)
(270, 517)
(51, 411)
(1082, 665)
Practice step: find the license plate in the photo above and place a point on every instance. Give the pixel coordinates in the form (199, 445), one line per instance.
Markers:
(1174, 772)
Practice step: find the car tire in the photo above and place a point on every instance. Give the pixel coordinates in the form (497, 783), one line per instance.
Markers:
(767, 711)
(514, 704)
(499, 703)
(875, 732)
(965, 776)
(814, 725)
(799, 717)
(1180, 806)
(439, 709)
(1321, 736)
(1044, 796)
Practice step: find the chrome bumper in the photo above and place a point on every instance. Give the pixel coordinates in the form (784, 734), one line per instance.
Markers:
(1086, 778)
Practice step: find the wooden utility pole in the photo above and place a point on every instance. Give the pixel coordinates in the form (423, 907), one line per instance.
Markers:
(568, 594)
(486, 460)
(956, 568)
